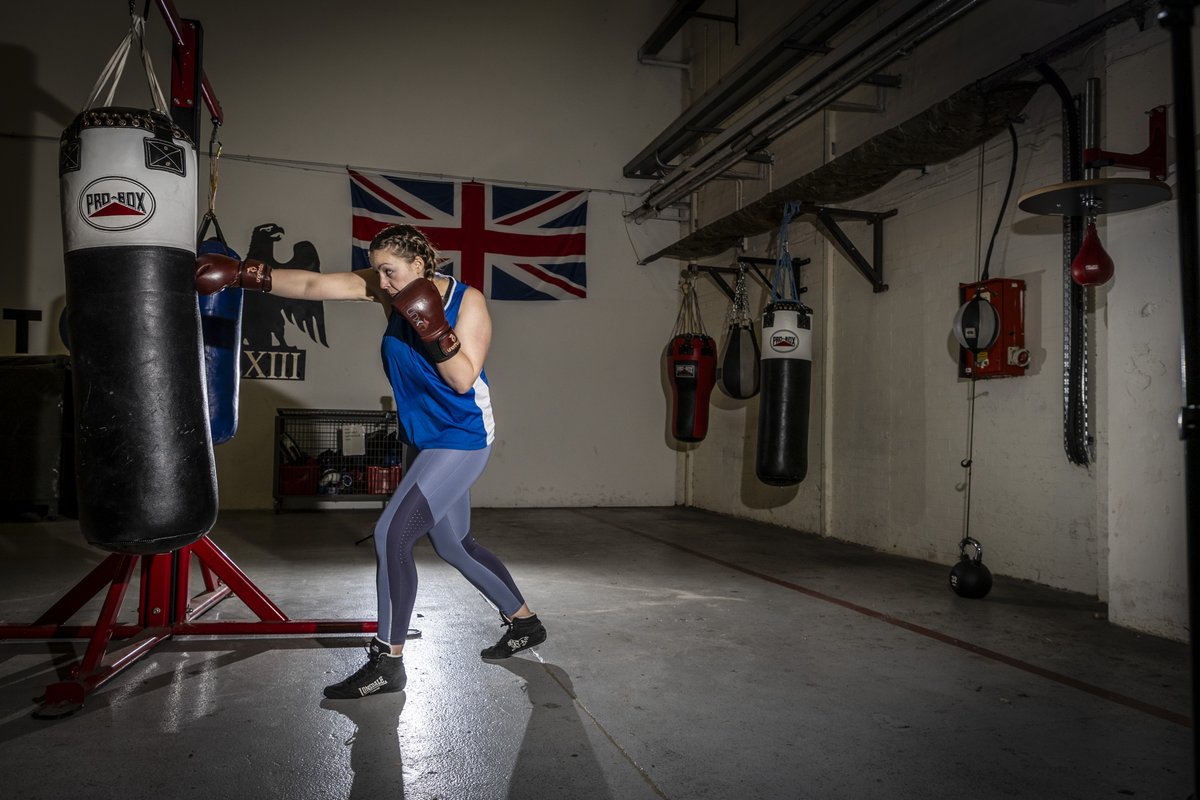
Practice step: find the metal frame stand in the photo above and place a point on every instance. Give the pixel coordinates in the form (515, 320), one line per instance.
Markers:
(164, 610)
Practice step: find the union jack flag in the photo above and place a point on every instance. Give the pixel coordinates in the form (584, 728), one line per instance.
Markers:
(510, 242)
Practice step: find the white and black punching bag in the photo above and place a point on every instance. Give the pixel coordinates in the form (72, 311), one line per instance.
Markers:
(782, 458)
(144, 457)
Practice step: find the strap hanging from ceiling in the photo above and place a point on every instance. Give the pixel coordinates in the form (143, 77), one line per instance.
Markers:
(783, 278)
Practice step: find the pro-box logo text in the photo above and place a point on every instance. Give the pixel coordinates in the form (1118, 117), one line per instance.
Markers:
(116, 204)
(784, 341)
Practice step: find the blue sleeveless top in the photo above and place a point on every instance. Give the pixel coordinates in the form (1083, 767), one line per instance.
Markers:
(430, 412)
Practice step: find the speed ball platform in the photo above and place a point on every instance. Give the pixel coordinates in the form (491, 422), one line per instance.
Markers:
(690, 656)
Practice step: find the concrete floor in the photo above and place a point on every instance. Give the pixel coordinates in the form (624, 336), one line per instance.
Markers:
(690, 656)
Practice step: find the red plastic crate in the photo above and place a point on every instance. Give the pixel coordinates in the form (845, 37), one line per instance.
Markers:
(298, 479)
(382, 480)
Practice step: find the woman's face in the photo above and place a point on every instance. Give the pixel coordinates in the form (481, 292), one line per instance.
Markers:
(395, 271)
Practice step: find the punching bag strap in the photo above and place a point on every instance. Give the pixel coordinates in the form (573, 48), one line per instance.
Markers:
(214, 176)
(688, 321)
(783, 278)
(111, 74)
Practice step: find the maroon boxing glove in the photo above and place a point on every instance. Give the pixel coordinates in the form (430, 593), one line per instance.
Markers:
(215, 272)
(421, 304)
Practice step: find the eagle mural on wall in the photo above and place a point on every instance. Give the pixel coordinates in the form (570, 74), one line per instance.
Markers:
(265, 314)
(266, 352)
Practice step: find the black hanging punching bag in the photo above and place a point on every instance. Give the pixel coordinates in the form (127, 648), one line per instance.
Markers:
(738, 367)
(144, 458)
(737, 364)
(782, 458)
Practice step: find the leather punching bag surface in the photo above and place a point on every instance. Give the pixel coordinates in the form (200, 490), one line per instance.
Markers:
(1092, 265)
(782, 458)
(691, 368)
(738, 368)
(144, 459)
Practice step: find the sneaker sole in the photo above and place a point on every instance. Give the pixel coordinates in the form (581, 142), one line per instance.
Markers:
(357, 696)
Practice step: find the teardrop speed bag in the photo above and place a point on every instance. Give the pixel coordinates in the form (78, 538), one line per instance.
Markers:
(144, 458)
(782, 458)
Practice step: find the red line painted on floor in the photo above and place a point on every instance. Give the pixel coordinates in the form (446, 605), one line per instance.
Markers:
(1057, 677)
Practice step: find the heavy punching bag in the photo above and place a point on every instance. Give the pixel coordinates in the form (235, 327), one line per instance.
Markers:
(144, 459)
(691, 369)
(782, 457)
(737, 363)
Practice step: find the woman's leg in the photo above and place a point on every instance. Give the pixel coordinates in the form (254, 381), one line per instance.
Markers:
(433, 485)
(452, 540)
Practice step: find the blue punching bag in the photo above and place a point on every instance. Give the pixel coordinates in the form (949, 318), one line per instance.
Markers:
(147, 479)
(221, 326)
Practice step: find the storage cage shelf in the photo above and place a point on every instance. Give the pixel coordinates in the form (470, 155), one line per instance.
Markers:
(335, 455)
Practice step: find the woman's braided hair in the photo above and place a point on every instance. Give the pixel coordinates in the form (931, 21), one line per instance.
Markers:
(408, 243)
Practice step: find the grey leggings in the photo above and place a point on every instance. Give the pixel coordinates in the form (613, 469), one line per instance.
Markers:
(434, 497)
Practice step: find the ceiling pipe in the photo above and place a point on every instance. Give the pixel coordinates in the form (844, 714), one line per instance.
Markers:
(803, 36)
(864, 53)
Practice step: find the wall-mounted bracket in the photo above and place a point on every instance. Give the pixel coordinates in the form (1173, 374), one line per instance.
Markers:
(753, 262)
(1153, 159)
(827, 223)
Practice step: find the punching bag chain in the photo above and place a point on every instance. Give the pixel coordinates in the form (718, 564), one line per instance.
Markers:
(116, 66)
(739, 310)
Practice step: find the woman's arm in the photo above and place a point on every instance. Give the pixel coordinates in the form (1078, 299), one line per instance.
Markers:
(301, 284)
(474, 331)
(216, 271)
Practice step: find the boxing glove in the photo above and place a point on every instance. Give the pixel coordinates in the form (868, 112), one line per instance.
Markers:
(421, 304)
(215, 272)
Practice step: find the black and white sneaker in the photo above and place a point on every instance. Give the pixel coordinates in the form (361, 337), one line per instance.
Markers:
(382, 673)
(522, 634)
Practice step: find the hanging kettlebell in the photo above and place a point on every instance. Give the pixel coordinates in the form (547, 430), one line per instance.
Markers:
(969, 577)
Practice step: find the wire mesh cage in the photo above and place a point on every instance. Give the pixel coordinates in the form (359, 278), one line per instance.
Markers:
(329, 454)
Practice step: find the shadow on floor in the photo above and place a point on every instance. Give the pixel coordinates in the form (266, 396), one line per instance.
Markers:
(374, 746)
(556, 758)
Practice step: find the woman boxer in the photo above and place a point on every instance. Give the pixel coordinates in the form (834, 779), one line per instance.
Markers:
(437, 338)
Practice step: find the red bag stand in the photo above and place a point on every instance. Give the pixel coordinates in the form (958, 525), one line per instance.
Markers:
(164, 610)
